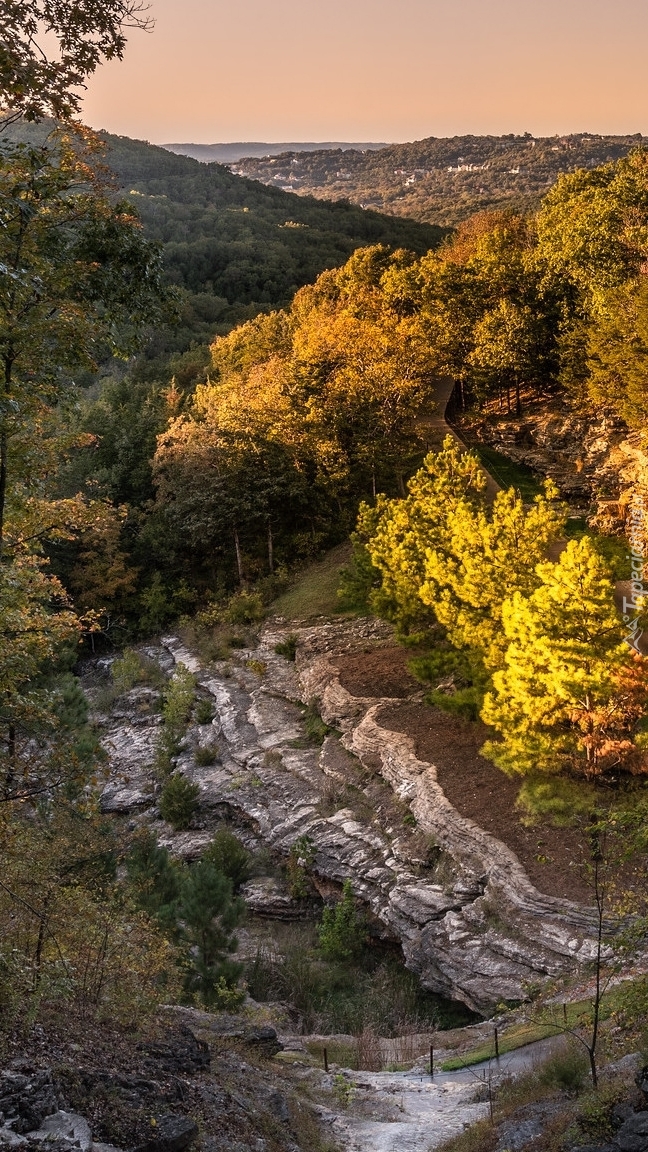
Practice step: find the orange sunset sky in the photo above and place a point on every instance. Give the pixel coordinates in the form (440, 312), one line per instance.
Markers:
(282, 70)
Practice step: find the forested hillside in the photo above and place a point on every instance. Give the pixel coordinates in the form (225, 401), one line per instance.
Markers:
(234, 248)
(238, 247)
(441, 181)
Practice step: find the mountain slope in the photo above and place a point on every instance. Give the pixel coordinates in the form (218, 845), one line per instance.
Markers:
(237, 149)
(237, 245)
(441, 181)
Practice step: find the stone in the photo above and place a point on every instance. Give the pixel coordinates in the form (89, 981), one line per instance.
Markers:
(282, 788)
(170, 1133)
(620, 1113)
(186, 1054)
(524, 1128)
(264, 1039)
(269, 897)
(67, 1126)
(633, 1134)
(641, 1080)
(26, 1099)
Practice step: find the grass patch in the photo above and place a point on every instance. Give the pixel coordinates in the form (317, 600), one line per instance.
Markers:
(508, 473)
(314, 592)
(519, 1035)
(344, 1055)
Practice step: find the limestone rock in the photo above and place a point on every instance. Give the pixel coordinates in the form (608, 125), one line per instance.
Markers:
(282, 787)
(170, 1133)
(633, 1134)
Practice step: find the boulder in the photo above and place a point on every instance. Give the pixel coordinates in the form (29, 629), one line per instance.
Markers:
(633, 1133)
(26, 1099)
(67, 1126)
(169, 1133)
(264, 1039)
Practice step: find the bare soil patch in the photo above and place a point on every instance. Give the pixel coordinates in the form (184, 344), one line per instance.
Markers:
(551, 857)
(377, 672)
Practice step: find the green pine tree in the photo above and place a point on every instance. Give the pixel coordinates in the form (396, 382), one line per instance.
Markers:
(571, 693)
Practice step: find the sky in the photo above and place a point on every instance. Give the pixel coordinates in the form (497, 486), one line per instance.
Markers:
(385, 70)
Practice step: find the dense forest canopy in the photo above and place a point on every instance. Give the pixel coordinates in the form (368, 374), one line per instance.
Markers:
(442, 181)
(233, 247)
(275, 434)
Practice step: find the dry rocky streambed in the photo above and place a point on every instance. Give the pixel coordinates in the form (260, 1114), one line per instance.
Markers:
(470, 923)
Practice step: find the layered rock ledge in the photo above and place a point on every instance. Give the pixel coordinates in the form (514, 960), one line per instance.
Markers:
(470, 922)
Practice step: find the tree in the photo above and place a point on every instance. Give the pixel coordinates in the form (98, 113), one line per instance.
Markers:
(342, 933)
(593, 226)
(478, 565)
(210, 914)
(406, 530)
(79, 276)
(617, 353)
(50, 47)
(571, 695)
(506, 348)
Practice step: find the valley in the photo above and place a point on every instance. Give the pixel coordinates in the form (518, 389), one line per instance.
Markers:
(323, 680)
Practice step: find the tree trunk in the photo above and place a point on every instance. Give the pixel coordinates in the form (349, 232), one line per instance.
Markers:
(239, 561)
(3, 483)
(4, 446)
(270, 549)
(518, 402)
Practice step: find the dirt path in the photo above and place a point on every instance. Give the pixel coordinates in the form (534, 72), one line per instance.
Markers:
(412, 1112)
(437, 428)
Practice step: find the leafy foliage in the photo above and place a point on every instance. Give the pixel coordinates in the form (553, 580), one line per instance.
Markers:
(36, 80)
(228, 855)
(572, 691)
(195, 907)
(342, 934)
(179, 801)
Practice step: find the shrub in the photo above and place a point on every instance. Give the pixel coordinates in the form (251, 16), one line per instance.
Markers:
(205, 755)
(300, 858)
(204, 713)
(245, 608)
(127, 671)
(179, 801)
(178, 699)
(176, 709)
(465, 702)
(316, 729)
(209, 913)
(288, 647)
(230, 857)
(342, 932)
(568, 1070)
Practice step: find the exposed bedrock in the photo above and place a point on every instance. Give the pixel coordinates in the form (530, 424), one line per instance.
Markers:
(470, 922)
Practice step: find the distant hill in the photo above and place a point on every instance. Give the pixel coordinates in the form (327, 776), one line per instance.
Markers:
(235, 246)
(440, 181)
(230, 153)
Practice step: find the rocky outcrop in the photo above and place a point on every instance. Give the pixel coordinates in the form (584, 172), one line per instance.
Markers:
(592, 457)
(470, 923)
